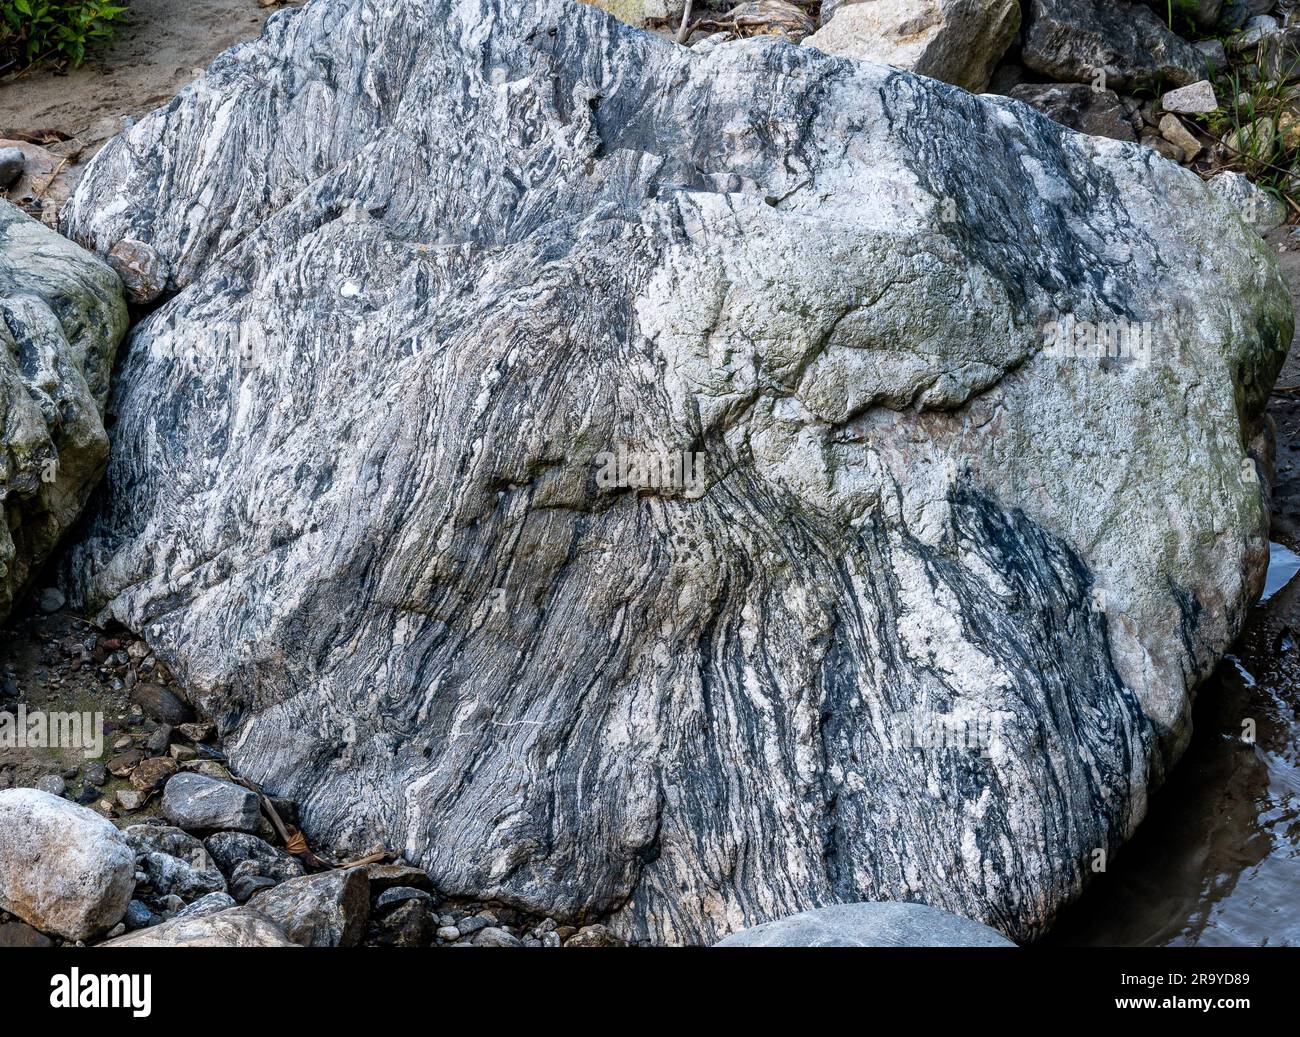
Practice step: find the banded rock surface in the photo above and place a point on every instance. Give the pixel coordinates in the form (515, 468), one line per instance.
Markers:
(62, 316)
(432, 262)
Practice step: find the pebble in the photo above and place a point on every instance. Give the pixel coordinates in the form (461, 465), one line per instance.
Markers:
(53, 784)
(493, 936)
(152, 774)
(449, 933)
(1197, 99)
(1172, 129)
(130, 799)
(160, 739)
(51, 600)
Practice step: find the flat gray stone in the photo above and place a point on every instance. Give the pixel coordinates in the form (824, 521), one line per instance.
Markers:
(1196, 99)
(870, 925)
(196, 802)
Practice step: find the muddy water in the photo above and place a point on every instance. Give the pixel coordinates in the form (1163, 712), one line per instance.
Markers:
(1217, 861)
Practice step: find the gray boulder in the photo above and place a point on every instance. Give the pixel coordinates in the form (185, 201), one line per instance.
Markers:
(1080, 107)
(251, 864)
(210, 904)
(958, 41)
(1075, 40)
(62, 316)
(197, 802)
(329, 909)
(870, 925)
(234, 927)
(174, 862)
(414, 520)
(63, 868)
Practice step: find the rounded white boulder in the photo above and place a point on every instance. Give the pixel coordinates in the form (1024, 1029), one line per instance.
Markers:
(63, 868)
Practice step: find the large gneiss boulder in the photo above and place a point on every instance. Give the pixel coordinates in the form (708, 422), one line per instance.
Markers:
(62, 316)
(677, 488)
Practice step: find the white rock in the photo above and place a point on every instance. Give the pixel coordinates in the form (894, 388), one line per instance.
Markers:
(235, 927)
(63, 868)
(958, 41)
(1196, 99)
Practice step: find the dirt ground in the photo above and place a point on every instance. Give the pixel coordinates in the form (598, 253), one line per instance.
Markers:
(60, 120)
(165, 46)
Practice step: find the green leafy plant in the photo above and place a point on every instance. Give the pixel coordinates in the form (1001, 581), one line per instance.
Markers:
(34, 31)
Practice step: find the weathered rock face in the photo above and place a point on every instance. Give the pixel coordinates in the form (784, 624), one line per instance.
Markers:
(62, 316)
(1077, 40)
(436, 262)
(63, 868)
(326, 910)
(958, 41)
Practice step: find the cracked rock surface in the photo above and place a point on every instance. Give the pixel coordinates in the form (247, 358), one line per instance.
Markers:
(430, 262)
(62, 316)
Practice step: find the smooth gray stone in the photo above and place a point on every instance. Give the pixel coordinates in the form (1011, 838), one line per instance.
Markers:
(882, 924)
(198, 803)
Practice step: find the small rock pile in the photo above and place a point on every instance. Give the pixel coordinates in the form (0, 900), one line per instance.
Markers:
(159, 844)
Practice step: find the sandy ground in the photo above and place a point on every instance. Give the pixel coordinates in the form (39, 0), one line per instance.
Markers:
(165, 46)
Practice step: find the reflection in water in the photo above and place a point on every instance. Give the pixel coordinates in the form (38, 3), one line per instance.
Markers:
(1283, 564)
(1217, 861)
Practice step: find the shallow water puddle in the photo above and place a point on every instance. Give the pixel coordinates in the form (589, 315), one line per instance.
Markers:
(1217, 860)
(1283, 564)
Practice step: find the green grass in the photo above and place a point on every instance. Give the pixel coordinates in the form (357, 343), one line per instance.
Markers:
(1248, 118)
